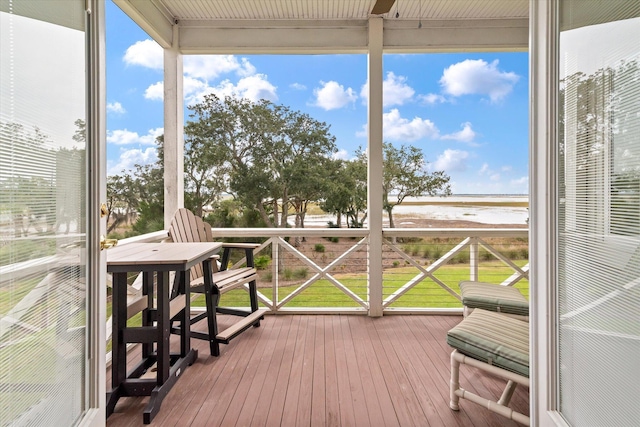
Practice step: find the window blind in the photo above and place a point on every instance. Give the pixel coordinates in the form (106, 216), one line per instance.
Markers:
(42, 213)
(599, 213)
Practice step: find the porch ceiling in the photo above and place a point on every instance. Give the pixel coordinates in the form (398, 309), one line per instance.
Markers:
(313, 26)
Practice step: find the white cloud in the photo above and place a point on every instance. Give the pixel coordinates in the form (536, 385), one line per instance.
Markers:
(333, 95)
(394, 91)
(451, 161)
(145, 53)
(155, 92)
(432, 98)
(254, 88)
(341, 155)
(495, 177)
(115, 107)
(297, 86)
(465, 135)
(484, 169)
(129, 158)
(148, 54)
(478, 77)
(398, 128)
(194, 90)
(126, 137)
(209, 67)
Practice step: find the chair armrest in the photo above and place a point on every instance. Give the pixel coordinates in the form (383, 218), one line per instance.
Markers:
(248, 253)
(240, 245)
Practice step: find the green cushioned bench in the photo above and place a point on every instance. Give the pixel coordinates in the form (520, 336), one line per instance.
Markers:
(488, 296)
(497, 344)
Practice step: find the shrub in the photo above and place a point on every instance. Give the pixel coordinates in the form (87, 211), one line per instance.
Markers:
(437, 252)
(524, 253)
(460, 258)
(267, 276)
(262, 262)
(486, 255)
(301, 273)
(512, 254)
(287, 274)
(396, 263)
(319, 247)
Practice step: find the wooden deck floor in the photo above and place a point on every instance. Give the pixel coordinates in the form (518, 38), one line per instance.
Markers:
(326, 370)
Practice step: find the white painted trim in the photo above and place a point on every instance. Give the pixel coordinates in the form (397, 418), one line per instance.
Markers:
(96, 226)
(543, 211)
(173, 131)
(467, 35)
(375, 166)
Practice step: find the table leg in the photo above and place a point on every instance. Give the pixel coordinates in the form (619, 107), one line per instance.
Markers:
(185, 321)
(212, 300)
(147, 289)
(118, 347)
(163, 324)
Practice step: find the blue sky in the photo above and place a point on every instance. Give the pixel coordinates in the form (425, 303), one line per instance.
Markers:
(468, 112)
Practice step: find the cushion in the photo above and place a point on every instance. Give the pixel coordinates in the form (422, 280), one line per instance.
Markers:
(488, 296)
(493, 338)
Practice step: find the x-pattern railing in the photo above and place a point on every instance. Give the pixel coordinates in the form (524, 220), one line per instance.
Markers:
(320, 272)
(473, 242)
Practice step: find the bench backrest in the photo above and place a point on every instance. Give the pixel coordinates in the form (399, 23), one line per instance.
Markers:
(187, 227)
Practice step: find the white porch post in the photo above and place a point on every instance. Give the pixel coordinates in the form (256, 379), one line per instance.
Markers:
(173, 131)
(374, 192)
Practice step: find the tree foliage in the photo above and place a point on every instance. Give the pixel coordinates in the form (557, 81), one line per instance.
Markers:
(405, 175)
(267, 156)
(258, 163)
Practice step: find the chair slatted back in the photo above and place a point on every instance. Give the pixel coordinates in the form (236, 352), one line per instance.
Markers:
(187, 227)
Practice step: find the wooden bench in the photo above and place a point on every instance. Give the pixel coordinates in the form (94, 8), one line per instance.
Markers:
(187, 227)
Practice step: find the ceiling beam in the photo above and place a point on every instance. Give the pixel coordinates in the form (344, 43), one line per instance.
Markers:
(456, 36)
(298, 37)
(382, 6)
(273, 37)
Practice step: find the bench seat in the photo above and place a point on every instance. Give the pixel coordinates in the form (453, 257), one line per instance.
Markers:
(492, 297)
(496, 344)
(495, 339)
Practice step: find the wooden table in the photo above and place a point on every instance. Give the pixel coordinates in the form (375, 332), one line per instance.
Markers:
(154, 260)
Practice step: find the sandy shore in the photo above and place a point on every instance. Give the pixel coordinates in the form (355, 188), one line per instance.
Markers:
(450, 212)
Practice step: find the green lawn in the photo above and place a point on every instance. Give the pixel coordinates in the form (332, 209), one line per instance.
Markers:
(427, 294)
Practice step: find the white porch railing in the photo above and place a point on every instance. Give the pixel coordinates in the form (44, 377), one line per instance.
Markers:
(325, 270)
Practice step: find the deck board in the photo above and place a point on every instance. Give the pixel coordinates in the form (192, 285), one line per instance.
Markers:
(325, 370)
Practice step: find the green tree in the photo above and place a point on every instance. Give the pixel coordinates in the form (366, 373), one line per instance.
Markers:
(263, 154)
(405, 175)
(347, 191)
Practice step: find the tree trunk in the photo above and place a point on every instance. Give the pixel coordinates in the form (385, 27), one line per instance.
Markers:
(391, 224)
(263, 215)
(285, 209)
(276, 212)
(390, 215)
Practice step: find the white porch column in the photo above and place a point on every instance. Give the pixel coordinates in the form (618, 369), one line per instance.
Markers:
(173, 131)
(374, 192)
